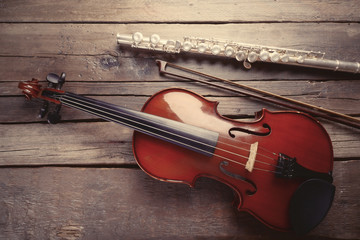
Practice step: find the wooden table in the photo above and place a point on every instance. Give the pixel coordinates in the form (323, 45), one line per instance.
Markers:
(78, 179)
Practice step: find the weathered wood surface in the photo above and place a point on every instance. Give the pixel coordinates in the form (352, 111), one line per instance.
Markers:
(93, 39)
(103, 143)
(79, 180)
(178, 11)
(70, 203)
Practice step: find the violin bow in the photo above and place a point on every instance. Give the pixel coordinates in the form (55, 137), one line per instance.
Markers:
(259, 94)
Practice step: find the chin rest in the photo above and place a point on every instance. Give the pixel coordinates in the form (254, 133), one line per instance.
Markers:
(310, 204)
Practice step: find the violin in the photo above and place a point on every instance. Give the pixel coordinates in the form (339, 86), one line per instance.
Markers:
(279, 165)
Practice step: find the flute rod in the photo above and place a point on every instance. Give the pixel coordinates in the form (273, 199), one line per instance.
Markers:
(267, 96)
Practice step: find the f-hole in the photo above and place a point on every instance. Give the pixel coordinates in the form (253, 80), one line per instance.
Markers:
(248, 131)
(238, 177)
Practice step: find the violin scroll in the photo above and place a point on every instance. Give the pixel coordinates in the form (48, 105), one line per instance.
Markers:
(30, 88)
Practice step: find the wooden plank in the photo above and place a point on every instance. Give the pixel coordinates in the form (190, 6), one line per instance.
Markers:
(68, 143)
(344, 89)
(112, 203)
(111, 67)
(336, 39)
(176, 11)
(90, 52)
(102, 143)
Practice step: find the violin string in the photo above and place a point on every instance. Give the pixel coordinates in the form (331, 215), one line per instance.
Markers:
(67, 100)
(234, 146)
(273, 154)
(68, 103)
(214, 154)
(171, 133)
(259, 147)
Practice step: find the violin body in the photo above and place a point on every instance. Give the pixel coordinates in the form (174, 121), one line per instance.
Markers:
(292, 133)
(279, 165)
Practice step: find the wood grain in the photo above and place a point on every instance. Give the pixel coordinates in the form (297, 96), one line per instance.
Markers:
(90, 53)
(78, 179)
(114, 203)
(83, 39)
(110, 67)
(103, 143)
(178, 11)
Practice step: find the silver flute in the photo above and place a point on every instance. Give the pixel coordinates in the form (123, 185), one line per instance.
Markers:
(247, 53)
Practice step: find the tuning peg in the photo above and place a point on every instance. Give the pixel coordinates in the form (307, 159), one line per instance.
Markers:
(55, 81)
(61, 80)
(52, 78)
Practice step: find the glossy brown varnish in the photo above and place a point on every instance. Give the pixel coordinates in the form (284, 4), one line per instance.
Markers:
(292, 133)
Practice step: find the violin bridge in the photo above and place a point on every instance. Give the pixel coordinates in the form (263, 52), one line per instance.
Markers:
(251, 160)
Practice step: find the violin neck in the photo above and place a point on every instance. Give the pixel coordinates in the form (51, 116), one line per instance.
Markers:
(184, 135)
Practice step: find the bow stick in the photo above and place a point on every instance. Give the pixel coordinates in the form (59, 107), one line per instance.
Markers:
(260, 94)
